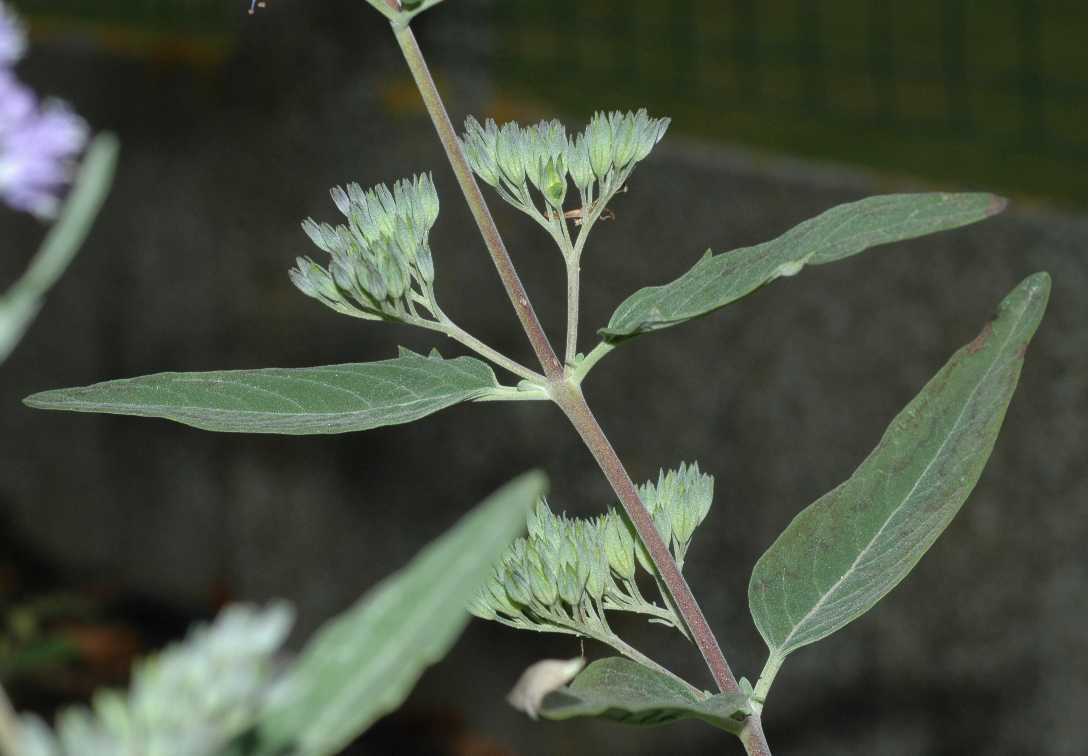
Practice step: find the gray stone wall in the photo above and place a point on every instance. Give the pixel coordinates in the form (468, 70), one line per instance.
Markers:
(779, 396)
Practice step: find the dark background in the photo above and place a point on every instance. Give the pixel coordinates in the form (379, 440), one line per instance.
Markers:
(116, 532)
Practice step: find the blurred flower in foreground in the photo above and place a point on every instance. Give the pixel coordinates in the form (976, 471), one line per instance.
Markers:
(38, 143)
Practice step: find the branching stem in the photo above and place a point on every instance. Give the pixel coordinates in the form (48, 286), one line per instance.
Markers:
(457, 333)
(570, 400)
(566, 393)
(634, 654)
(574, 278)
(413, 56)
(446, 326)
(755, 742)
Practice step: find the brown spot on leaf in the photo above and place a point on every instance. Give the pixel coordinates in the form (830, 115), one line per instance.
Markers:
(1022, 351)
(980, 340)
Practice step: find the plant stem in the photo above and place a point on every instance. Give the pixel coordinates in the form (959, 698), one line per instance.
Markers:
(480, 212)
(607, 637)
(566, 393)
(457, 333)
(574, 277)
(635, 655)
(570, 400)
(755, 742)
(447, 327)
(9, 727)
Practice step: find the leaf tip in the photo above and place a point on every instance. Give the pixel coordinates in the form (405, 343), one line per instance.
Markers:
(997, 205)
(1038, 285)
(1031, 295)
(39, 400)
(534, 479)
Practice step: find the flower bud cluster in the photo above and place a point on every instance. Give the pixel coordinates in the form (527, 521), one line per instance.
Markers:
(679, 503)
(192, 699)
(597, 161)
(568, 571)
(558, 568)
(379, 256)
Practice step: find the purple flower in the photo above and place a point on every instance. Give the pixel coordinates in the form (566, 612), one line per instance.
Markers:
(38, 143)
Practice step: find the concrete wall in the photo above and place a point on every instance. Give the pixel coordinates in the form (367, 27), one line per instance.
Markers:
(780, 397)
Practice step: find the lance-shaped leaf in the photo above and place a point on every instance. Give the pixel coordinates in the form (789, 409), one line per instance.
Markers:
(331, 399)
(625, 691)
(848, 549)
(364, 663)
(717, 280)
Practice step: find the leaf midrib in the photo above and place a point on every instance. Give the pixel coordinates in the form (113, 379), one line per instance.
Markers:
(815, 607)
(678, 313)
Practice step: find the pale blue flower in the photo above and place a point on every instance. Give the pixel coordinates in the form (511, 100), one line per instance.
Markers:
(38, 142)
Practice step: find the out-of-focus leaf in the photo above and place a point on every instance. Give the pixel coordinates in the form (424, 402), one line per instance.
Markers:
(363, 663)
(20, 304)
(848, 549)
(717, 280)
(625, 691)
(331, 399)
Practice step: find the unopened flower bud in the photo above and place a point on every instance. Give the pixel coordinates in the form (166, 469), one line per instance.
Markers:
(317, 234)
(619, 546)
(649, 135)
(499, 598)
(428, 199)
(554, 182)
(508, 154)
(581, 172)
(568, 551)
(517, 586)
(569, 584)
(537, 520)
(370, 279)
(405, 240)
(341, 200)
(624, 139)
(599, 141)
(394, 274)
(479, 143)
(543, 584)
(479, 607)
(425, 262)
(301, 280)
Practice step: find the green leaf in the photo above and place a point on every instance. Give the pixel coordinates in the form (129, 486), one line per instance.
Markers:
(626, 691)
(20, 304)
(332, 399)
(847, 550)
(363, 663)
(717, 280)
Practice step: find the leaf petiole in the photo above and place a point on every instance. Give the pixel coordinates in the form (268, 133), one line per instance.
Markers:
(766, 678)
(582, 367)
